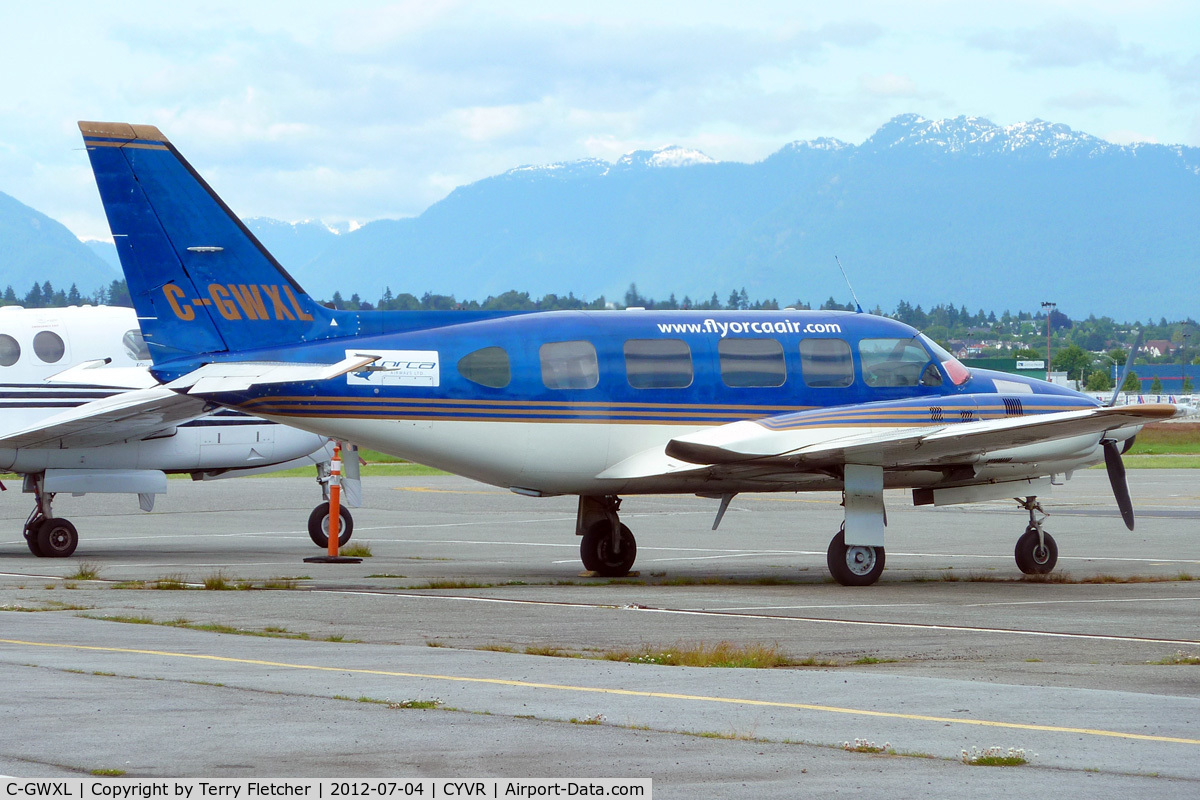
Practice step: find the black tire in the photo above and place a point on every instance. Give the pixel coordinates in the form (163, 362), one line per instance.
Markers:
(318, 526)
(596, 551)
(856, 565)
(57, 538)
(31, 539)
(1034, 560)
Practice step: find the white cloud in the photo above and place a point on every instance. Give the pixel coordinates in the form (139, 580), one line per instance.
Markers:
(888, 85)
(1129, 137)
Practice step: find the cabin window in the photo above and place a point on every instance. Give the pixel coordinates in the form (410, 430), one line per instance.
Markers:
(897, 362)
(954, 368)
(487, 367)
(751, 362)
(10, 351)
(135, 345)
(658, 363)
(569, 365)
(49, 346)
(826, 363)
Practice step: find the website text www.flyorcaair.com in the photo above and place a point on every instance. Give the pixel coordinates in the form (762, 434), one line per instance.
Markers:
(723, 329)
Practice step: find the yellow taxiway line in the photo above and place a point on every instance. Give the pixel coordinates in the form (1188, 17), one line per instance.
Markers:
(623, 692)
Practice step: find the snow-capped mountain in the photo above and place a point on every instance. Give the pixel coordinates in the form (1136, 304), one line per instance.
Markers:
(956, 210)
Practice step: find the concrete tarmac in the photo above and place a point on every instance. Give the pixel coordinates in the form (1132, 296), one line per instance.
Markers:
(1090, 674)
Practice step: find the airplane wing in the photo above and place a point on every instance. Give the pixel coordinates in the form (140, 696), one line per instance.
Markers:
(128, 415)
(795, 442)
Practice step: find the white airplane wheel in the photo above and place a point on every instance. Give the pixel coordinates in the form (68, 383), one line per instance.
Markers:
(1033, 559)
(853, 565)
(57, 538)
(318, 526)
(596, 551)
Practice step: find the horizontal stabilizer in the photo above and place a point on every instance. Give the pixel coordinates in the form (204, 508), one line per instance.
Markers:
(237, 376)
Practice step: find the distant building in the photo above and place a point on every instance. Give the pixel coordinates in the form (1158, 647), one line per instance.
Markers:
(1160, 347)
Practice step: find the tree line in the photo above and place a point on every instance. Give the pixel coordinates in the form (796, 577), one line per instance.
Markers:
(44, 295)
(1020, 334)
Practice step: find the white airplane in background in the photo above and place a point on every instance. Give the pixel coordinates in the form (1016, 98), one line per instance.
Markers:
(80, 413)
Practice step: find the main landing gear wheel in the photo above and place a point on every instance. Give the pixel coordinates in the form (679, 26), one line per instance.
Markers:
(853, 565)
(596, 551)
(31, 540)
(57, 538)
(318, 526)
(1032, 557)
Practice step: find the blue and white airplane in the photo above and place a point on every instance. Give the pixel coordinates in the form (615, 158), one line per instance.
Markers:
(596, 404)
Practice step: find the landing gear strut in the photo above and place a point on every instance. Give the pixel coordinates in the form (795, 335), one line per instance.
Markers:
(608, 547)
(318, 520)
(46, 535)
(1036, 550)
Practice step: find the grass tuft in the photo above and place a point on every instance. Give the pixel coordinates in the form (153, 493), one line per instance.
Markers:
(108, 772)
(995, 757)
(595, 719)
(548, 650)
(356, 550)
(170, 583)
(453, 584)
(720, 654)
(218, 582)
(86, 571)
(1180, 658)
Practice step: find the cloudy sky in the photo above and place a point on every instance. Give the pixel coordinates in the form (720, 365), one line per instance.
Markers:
(361, 110)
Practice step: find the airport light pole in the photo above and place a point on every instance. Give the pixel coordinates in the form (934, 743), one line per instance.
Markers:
(1183, 362)
(1048, 307)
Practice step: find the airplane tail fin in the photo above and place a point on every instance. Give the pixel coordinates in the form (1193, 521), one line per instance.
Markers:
(200, 281)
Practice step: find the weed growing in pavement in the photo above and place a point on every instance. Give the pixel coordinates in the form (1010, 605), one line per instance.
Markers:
(86, 571)
(1180, 658)
(995, 757)
(867, 746)
(356, 550)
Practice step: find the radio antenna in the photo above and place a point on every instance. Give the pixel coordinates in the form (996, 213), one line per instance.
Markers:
(857, 305)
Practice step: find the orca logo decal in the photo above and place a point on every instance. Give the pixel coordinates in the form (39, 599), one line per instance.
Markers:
(398, 368)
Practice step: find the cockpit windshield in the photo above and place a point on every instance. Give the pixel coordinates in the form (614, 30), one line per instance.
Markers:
(954, 368)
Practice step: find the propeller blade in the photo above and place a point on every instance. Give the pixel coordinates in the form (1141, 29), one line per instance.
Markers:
(1116, 476)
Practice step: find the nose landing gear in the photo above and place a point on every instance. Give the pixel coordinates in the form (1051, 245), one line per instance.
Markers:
(1036, 551)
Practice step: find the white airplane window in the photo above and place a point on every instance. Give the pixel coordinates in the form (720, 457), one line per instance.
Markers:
(658, 363)
(888, 363)
(826, 363)
(10, 351)
(569, 365)
(135, 345)
(487, 367)
(49, 346)
(751, 362)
